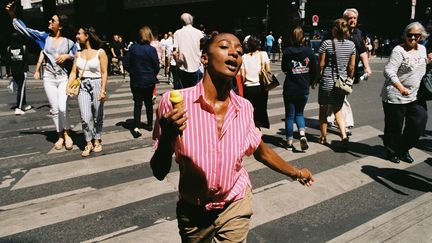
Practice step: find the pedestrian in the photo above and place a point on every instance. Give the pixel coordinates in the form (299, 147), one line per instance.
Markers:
(173, 72)
(253, 90)
(159, 49)
(214, 187)
(363, 73)
(187, 51)
(335, 53)
(300, 67)
(375, 45)
(116, 55)
(58, 52)
(142, 63)
(165, 42)
(404, 116)
(280, 48)
(91, 64)
(17, 55)
(269, 39)
(356, 35)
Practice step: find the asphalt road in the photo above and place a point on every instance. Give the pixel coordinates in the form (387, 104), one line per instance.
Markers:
(51, 196)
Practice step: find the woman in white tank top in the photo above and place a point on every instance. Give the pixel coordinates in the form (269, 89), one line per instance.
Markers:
(91, 63)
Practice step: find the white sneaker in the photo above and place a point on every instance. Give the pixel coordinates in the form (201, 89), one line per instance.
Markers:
(27, 108)
(19, 112)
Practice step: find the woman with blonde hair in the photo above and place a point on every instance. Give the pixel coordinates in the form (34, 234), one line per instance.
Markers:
(336, 58)
(142, 63)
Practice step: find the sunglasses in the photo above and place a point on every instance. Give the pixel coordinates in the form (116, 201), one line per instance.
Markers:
(414, 36)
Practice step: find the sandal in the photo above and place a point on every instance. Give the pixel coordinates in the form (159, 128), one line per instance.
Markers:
(68, 143)
(87, 150)
(97, 148)
(59, 144)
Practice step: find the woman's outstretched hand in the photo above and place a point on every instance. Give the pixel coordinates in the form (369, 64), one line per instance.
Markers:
(10, 9)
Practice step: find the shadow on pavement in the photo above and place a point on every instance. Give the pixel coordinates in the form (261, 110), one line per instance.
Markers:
(403, 178)
(52, 137)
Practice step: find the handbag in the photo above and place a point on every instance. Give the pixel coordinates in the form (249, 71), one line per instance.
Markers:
(12, 86)
(425, 90)
(344, 84)
(74, 86)
(267, 79)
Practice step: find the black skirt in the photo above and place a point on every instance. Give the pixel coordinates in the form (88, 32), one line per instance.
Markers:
(258, 96)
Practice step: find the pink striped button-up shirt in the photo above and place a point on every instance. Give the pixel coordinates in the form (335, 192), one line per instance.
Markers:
(211, 167)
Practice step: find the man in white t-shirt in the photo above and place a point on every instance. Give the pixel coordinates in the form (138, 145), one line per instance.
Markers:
(187, 53)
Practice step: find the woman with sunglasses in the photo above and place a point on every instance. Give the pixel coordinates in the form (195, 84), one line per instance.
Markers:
(404, 116)
(91, 62)
(58, 52)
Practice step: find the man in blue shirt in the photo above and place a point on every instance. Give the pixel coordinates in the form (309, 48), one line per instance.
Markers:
(269, 43)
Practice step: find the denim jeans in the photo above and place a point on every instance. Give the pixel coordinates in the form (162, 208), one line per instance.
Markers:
(294, 107)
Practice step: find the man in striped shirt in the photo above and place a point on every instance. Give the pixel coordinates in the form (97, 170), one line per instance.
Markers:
(209, 136)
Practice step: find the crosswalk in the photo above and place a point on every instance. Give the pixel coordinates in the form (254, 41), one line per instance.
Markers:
(113, 197)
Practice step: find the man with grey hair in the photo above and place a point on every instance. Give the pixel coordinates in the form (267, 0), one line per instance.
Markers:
(187, 53)
(356, 35)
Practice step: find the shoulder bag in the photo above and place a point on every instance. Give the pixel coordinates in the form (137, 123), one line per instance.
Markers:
(344, 84)
(75, 85)
(425, 90)
(267, 79)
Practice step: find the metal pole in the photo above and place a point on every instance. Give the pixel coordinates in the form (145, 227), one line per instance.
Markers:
(267, 18)
(413, 6)
(302, 11)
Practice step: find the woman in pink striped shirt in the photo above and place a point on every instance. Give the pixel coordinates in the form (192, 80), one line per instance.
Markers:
(209, 137)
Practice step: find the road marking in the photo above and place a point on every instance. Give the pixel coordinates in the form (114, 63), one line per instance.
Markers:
(108, 138)
(45, 199)
(82, 167)
(12, 112)
(59, 210)
(55, 211)
(281, 197)
(33, 177)
(19, 155)
(396, 225)
(101, 238)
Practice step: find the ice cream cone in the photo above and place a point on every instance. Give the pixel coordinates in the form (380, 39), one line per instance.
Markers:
(176, 99)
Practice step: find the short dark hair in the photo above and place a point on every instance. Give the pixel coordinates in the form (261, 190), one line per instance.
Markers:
(67, 31)
(253, 43)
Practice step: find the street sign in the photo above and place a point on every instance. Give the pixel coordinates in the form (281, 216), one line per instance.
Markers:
(315, 20)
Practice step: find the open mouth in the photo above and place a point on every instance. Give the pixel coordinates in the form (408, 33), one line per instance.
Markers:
(232, 65)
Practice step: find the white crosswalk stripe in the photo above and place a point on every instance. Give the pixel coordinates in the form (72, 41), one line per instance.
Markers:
(272, 200)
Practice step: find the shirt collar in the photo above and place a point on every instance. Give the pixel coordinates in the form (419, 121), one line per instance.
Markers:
(199, 98)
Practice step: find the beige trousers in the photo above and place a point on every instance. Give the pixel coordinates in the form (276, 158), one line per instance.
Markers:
(230, 224)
